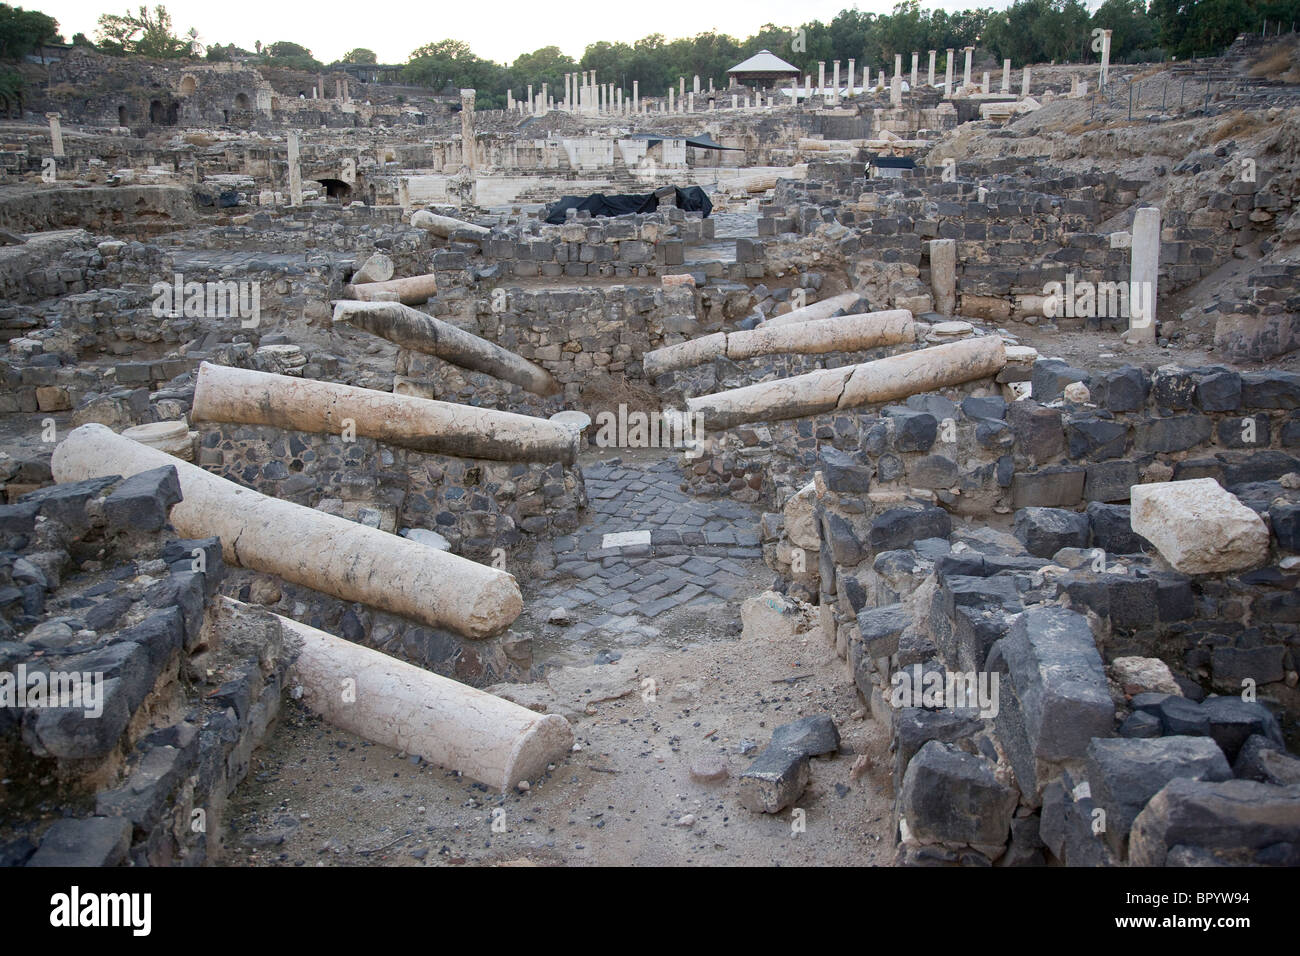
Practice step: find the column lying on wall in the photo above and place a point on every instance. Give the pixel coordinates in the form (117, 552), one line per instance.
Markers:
(827, 390)
(412, 329)
(444, 226)
(399, 705)
(308, 547)
(411, 290)
(818, 310)
(247, 397)
(844, 333)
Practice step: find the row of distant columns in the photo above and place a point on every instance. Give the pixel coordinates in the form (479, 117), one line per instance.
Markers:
(895, 85)
(582, 94)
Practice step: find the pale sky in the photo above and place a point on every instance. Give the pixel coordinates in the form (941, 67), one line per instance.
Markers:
(498, 30)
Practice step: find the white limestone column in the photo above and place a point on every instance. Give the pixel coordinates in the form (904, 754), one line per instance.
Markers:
(947, 75)
(56, 135)
(1105, 59)
(295, 170)
(932, 55)
(965, 81)
(1144, 274)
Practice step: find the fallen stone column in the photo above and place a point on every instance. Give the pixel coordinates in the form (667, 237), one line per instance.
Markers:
(377, 268)
(845, 333)
(308, 547)
(418, 332)
(818, 310)
(413, 290)
(444, 226)
(825, 390)
(246, 397)
(405, 707)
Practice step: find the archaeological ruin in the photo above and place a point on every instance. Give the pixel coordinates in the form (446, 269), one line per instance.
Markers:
(926, 494)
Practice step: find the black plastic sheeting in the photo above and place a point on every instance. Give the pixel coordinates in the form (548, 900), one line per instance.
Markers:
(703, 141)
(690, 199)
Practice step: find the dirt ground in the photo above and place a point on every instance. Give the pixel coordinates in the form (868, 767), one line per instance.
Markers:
(317, 797)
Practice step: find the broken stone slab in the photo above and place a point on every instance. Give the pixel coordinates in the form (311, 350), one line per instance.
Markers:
(812, 736)
(1123, 774)
(950, 796)
(1059, 680)
(1266, 761)
(845, 333)
(411, 290)
(412, 329)
(1232, 721)
(1045, 531)
(247, 397)
(825, 390)
(1232, 822)
(405, 707)
(1198, 527)
(142, 501)
(306, 546)
(88, 842)
(774, 780)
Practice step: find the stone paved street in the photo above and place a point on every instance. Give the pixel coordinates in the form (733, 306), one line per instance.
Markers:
(690, 552)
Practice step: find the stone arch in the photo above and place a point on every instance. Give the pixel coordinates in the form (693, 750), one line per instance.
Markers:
(241, 101)
(189, 83)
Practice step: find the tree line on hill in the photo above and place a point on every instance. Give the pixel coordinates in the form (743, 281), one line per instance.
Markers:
(1028, 31)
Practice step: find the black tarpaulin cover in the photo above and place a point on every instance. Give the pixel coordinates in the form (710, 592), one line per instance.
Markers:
(690, 199)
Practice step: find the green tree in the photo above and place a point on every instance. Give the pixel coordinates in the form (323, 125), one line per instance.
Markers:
(547, 65)
(146, 33)
(24, 31)
(293, 56)
(360, 55)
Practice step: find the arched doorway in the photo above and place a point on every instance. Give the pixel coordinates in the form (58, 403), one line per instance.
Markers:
(241, 101)
(121, 116)
(188, 85)
(336, 188)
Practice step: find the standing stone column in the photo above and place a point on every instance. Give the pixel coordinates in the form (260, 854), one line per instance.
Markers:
(965, 80)
(896, 91)
(947, 76)
(670, 99)
(468, 153)
(898, 64)
(690, 102)
(1006, 76)
(916, 62)
(835, 81)
(1105, 59)
(1144, 273)
(1024, 84)
(681, 88)
(931, 82)
(696, 87)
(943, 275)
(636, 96)
(546, 99)
(985, 87)
(295, 172)
(56, 135)
(807, 86)
(821, 77)
(852, 65)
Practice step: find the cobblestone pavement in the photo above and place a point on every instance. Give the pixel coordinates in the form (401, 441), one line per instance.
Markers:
(682, 551)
